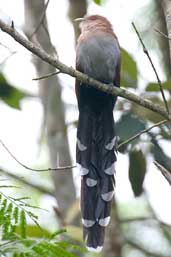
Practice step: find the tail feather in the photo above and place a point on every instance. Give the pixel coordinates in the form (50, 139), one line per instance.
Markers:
(95, 237)
(96, 157)
(88, 198)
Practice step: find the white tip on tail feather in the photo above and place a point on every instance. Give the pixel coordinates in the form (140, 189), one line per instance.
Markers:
(88, 223)
(91, 182)
(96, 250)
(104, 222)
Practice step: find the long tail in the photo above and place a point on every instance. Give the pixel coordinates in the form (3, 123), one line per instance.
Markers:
(96, 157)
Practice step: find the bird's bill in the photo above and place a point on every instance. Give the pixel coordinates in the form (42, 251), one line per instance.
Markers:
(79, 19)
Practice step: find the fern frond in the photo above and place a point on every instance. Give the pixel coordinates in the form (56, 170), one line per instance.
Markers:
(13, 232)
(57, 233)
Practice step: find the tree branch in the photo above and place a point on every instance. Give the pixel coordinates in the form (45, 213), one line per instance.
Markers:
(47, 75)
(162, 34)
(26, 182)
(164, 172)
(141, 132)
(143, 249)
(162, 226)
(80, 76)
(37, 170)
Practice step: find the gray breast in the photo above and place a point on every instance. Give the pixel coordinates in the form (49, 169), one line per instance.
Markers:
(98, 57)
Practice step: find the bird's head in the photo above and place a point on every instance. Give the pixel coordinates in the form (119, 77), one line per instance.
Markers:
(94, 22)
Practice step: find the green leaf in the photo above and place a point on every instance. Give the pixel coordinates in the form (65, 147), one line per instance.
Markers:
(99, 2)
(154, 87)
(49, 249)
(128, 126)
(10, 208)
(68, 245)
(33, 231)
(57, 233)
(9, 94)
(129, 72)
(16, 215)
(137, 170)
(23, 224)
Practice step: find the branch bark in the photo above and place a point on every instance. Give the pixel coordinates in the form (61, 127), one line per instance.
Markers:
(24, 181)
(80, 76)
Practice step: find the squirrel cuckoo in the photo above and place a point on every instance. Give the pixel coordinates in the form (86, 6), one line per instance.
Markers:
(98, 56)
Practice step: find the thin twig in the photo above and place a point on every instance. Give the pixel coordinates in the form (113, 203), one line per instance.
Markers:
(86, 80)
(164, 172)
(6, 47)
(37, 170)
(135, 219)
(47, 75)
(7, 58)
(28, 183)
(162, 34)
(41, 19)
(163, 227)
(141, 132)
(139, 219)
(154, 69)
(11, 53)
(143, 249)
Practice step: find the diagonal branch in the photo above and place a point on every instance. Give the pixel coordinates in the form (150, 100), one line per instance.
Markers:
(143, 249)
(47, 76)
(154, 69)
(164, 172)
(141, 132)
(40, 188)
(162, 34)
(79, 75)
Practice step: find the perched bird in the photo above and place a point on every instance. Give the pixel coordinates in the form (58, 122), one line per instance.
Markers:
(98, 56)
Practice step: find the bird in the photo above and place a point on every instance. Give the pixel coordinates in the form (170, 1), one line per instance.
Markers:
(98, 55)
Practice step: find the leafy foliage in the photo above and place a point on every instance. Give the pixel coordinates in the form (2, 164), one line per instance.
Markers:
(9, 94)
(11, 216)
(136, 120)
(14, 240)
